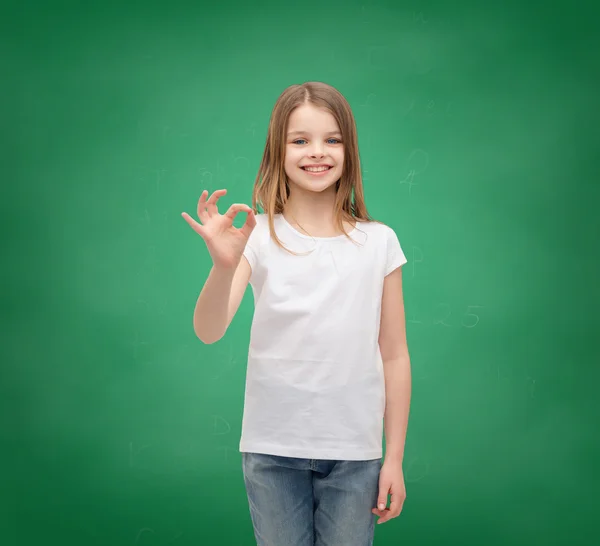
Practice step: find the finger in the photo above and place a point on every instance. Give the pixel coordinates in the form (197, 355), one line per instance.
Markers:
(388, 514)
(234, 210)
(250, 223)
(383, 515)
(396, 507)
(383, 497)
(202, 214)
(198, 228)
(211, 205)
(396, 502)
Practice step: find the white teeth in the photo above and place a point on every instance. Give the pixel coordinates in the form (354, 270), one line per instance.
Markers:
(316, 169)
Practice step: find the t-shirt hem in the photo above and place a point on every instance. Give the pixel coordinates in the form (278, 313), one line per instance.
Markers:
(250, 256)
(341, 454)
(399, 262)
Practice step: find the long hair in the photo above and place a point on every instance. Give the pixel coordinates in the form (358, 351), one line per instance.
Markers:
(271, 188)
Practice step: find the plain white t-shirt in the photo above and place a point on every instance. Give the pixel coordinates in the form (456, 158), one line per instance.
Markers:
(314, 382)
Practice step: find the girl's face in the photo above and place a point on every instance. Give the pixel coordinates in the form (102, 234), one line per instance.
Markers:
(314, 152)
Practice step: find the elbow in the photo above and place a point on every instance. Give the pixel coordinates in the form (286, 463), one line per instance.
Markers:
(207, 333)
(205, 339)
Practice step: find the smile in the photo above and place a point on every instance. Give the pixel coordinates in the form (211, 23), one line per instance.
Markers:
(316, 170)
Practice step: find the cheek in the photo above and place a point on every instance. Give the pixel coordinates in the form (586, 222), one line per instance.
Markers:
(292, 156)
(291, 162)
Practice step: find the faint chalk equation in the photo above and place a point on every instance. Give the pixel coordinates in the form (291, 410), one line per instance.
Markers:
(225, 450)
(369, 100)
(416, 470)
(133, 453)
(155, 176)
(148, 530)
(417, 164)
(137, 343)
(417, 257)
(443, 314)
(141, 532)
(220, 426)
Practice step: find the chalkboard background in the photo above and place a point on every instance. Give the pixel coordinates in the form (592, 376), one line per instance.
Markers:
(478, 130)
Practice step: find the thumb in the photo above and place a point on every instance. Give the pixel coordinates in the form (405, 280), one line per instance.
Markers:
(382, 499)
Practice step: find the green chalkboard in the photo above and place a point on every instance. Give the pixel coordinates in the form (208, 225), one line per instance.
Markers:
(478, 130)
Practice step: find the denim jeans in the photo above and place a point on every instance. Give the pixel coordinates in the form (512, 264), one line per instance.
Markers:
(311, 502)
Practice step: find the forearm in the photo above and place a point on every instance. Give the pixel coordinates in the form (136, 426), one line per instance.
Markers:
(398, 393)
(210, 313)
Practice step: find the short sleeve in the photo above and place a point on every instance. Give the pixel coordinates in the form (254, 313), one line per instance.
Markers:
(251, 252)
(395, 255)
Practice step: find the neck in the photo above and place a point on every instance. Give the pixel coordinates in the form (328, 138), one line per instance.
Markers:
(312, 212)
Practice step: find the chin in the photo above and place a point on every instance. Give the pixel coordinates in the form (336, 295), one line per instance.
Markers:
(317, 185)
(316, 188)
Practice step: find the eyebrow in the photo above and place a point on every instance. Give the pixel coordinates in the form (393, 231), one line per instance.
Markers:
(308, 133)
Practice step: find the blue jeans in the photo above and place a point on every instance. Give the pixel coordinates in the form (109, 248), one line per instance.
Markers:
(311, 502)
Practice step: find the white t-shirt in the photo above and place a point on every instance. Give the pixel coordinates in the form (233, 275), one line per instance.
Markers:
(314, 383)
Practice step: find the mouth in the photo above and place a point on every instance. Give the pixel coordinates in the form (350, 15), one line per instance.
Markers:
(316, 169)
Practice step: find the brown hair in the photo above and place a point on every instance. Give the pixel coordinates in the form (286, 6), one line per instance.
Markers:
(271, 189)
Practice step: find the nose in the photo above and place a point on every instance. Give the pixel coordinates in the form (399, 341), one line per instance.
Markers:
(317, 151)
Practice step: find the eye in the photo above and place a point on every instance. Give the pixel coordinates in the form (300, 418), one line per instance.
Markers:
(336, 141)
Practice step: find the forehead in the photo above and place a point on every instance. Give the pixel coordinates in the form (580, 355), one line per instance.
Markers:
(307, 118)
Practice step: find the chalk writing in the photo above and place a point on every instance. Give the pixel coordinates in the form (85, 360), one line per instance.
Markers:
(221, 426)
(531, 387)
(154, 175)
(206, 179)
(141, 532)
(133, 453)
(443, 314)
(416, 470)
(446, 311)
(471, 319)
(378, 57)
(137, 343)
(148, 530)
(429, 107)
(225, 450)
(417, 163)
(369, 100)
(417, 258)
(419, 18)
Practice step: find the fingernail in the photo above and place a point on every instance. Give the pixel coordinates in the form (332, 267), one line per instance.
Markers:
(382, 506)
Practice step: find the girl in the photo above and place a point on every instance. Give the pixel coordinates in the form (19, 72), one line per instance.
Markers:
(328, 365)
